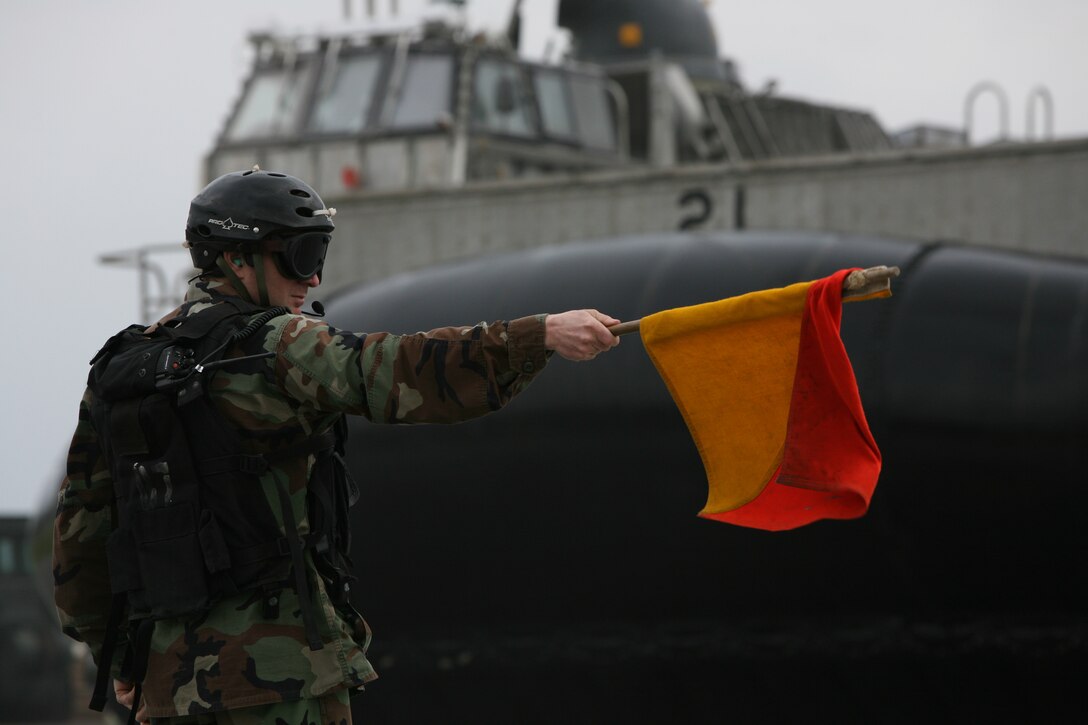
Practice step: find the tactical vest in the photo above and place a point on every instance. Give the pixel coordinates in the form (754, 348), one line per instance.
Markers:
(192, 522)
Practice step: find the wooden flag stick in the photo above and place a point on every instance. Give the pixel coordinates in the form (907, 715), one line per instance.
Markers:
(858, 284)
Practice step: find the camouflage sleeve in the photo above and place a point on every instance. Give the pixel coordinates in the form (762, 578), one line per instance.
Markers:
(82, 525)
(446, 375)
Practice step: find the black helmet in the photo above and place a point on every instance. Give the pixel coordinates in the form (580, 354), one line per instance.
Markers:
(240, 210)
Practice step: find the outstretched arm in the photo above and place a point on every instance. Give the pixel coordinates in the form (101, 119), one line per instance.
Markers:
(442, 376)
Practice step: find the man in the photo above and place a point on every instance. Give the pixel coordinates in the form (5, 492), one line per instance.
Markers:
(217, 580)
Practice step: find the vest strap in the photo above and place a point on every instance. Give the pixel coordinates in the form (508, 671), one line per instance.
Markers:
(298, 567)
(141, 650)
(105, 655)
(260, 552)
(258, 463)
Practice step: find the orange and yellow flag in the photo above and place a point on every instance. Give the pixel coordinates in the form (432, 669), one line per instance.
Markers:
(766, 389)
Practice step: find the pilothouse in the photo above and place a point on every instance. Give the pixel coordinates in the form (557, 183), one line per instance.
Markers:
(642, 84)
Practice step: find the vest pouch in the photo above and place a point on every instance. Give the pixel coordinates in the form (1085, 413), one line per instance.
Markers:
(171, 561)
(124, 565)
(129, 365)
(212, 543)
(166, 510)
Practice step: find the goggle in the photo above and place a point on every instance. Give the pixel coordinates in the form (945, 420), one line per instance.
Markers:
(300, 256)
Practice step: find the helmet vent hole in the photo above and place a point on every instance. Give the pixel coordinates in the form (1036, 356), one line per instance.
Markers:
(300, 192)
(305, 211)
(203, 230)
(280, 176)
(247, 173)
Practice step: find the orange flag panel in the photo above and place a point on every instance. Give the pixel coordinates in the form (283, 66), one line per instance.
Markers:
(767, 391)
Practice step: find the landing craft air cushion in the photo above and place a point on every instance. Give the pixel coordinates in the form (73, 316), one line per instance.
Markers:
(559, 571)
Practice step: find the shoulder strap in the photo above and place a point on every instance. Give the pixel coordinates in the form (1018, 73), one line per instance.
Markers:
(199, 324)
(112, 342)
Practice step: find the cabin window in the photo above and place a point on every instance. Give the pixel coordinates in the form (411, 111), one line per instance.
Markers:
(591, 109)
(500, 100)
(270, 106)
(555, 111)
(344, 99)
(425, 92)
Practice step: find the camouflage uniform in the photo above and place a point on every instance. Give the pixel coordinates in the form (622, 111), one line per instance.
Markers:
(233, 656)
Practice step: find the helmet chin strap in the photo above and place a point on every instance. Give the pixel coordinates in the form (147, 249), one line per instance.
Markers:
(262, 287)
(234, 280)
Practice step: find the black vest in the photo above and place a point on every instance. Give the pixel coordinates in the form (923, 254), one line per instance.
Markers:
(193, 524)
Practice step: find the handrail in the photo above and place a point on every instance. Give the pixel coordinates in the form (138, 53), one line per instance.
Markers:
(1041, 93)
(459, 128)
(969, 108)
(331, 66)
(623, 117)
(729, 142)
(396, 80)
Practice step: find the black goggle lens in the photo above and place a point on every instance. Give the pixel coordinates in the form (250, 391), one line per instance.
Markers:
(303, 256)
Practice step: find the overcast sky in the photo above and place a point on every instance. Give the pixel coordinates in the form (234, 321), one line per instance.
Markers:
(107, 107)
